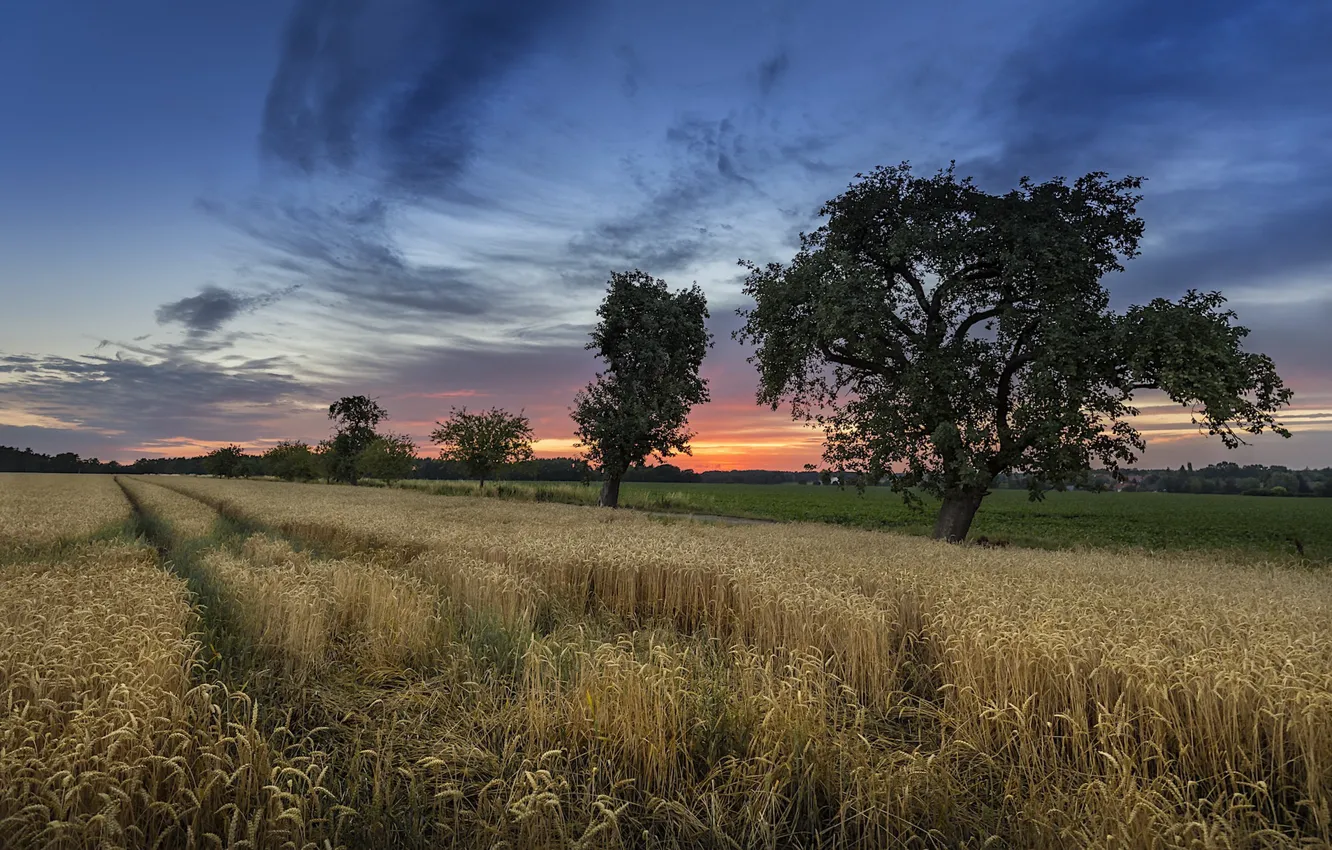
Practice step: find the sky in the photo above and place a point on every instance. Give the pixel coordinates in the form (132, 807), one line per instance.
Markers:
(217, 218)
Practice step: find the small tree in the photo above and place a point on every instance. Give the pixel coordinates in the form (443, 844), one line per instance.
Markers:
(354, 420)
(954, 335)
(652, 342)
(389, 457)
(226, 462)
(291, 461)
(483, 442)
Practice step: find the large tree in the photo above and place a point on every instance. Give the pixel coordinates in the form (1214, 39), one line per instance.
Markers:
(484, 441)
(354, 420)
(652, 342)
(943, 335)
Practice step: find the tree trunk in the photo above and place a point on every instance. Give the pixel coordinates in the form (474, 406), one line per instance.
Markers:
(610, 492)
(955, 515)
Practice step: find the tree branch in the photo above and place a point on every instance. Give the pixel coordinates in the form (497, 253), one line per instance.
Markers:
(979, 270)
(969, 273)
(1003, 396)
(976, 318)
(919, 288)
(842, 357)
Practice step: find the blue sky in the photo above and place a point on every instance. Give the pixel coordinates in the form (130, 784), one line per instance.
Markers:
(215, 218)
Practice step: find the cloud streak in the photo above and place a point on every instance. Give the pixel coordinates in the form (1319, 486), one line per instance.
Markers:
(398, 94)
(213, 307)
(154, 393)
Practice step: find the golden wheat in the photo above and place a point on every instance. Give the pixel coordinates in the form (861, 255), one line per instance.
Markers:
(42, 510)
(107, 741)
(306, 614)
(187, 517)
(1111, 700)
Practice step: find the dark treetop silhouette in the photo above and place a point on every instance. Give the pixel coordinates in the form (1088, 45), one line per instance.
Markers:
(652, 342)
(354, 420)
(947, 335)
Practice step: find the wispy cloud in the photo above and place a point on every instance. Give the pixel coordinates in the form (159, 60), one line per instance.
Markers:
(397, 96)
(151, 393)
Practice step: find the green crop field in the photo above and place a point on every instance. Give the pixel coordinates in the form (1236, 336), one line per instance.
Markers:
(1243, 527)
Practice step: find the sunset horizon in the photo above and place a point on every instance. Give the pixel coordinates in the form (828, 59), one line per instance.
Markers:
(234, 217)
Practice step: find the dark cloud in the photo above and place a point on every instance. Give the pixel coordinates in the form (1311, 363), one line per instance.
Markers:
(397, 92)
(1262, 248)
(153, 393)
(212, 308)
(1129, 84)
(771, 71)
(389, 101)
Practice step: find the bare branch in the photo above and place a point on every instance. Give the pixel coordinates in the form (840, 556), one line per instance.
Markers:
(842, 357)
(976, 318)
(931, 312)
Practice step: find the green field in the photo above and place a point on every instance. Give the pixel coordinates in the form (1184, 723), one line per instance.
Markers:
(1243, 527)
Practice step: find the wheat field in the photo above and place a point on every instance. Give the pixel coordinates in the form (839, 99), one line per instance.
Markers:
(38, 511)
(111, 734)
(481, 673)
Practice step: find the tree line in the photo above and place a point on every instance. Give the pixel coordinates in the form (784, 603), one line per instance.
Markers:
(942, 337)
(651, 341)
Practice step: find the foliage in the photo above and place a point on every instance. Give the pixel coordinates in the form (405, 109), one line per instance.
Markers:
(389, 458)
(653, 342)
(354, 421)
(291, 460)
(951, 335)
(26, 460)
(226, 462)
(484, 441)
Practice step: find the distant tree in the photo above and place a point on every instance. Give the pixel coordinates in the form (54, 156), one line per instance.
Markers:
(483, 442)
(1287, 481)
(325, 460)
(652, 342)
(291, 460)
(226, 462)
(389, 457)
(354, 420)
(933, 328)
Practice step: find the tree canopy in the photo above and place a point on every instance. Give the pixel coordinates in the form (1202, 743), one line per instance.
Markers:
(945, 335)
(291, 461)
(484, 441)
(354, 420)
(653, 342)
(389, 458)
(226, 462)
